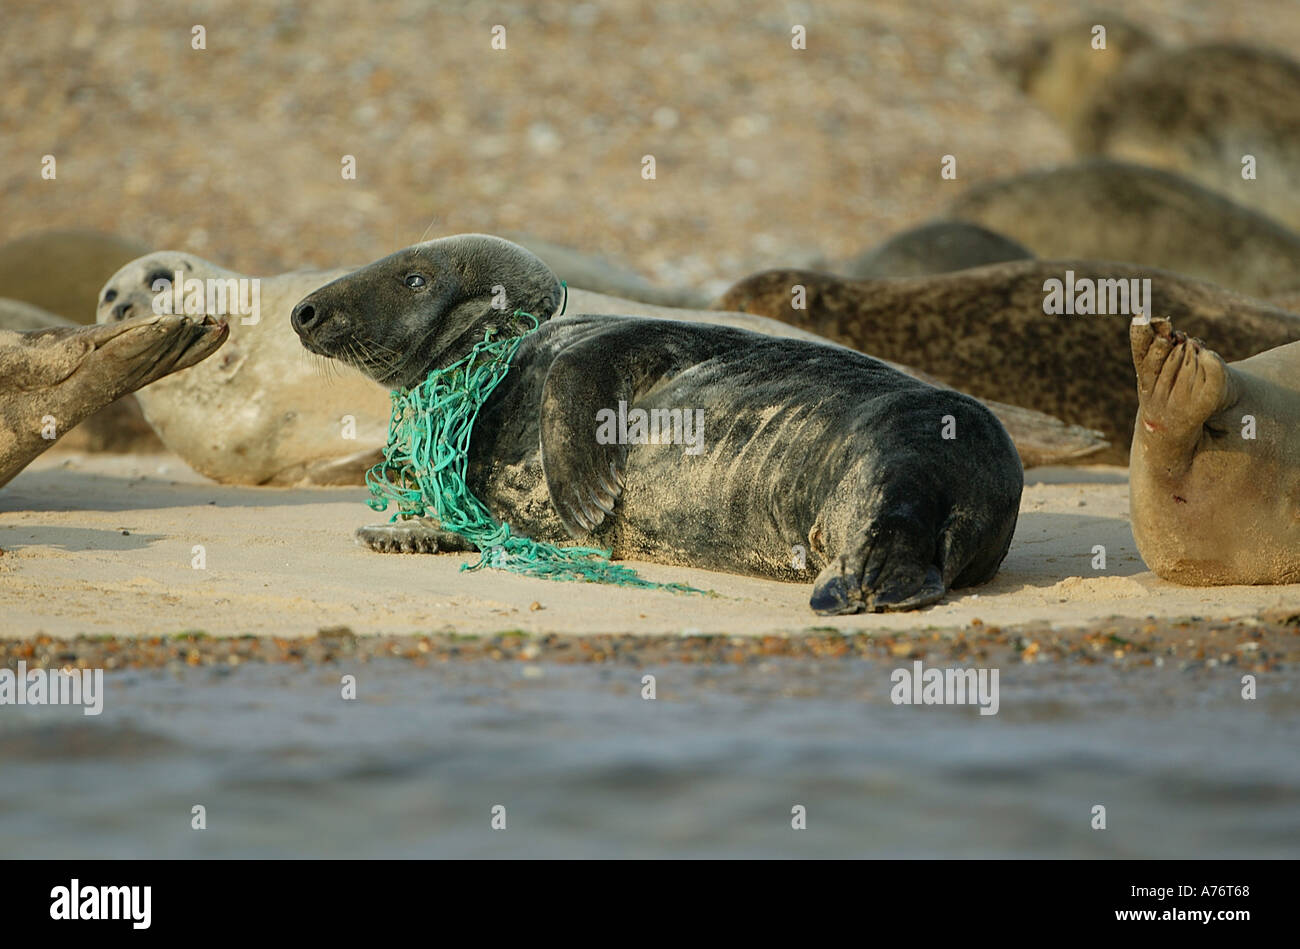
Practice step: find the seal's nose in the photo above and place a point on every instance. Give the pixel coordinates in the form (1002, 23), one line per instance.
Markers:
(121, 310)
(306, 317)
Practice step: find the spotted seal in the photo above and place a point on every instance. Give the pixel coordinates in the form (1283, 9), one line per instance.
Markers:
(988, 331)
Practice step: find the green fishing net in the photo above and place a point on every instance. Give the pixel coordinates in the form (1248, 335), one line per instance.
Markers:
(424, 464)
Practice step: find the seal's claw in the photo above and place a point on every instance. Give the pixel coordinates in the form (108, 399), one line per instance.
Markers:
(409, 538)
(903, 590)
(1181, 383)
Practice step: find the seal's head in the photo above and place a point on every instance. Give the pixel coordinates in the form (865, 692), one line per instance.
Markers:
(425, 307)
(133, 290)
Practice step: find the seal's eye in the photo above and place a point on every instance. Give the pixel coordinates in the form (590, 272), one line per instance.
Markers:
(110, 296)
(157, 275)
(415, 281)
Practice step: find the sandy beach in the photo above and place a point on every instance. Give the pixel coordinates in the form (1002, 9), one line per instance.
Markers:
(104, 545)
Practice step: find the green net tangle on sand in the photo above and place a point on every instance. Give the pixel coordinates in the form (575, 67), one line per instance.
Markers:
(424, 464)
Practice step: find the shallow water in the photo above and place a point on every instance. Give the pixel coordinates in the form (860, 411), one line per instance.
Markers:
(587, 768)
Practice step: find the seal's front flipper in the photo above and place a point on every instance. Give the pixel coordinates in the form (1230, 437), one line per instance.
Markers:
(410, 537)
(888, 565)
(583, 467)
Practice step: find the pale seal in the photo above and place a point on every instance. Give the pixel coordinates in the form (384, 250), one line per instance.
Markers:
(988, 331)
(1108, 210)
(1215, 475)
(51, 379)
(805, 444)
(261, 412)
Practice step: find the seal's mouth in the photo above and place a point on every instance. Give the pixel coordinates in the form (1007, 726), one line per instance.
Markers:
(310, 344)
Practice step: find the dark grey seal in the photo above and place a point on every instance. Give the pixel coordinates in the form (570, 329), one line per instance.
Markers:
(935, 248)
(804, 445)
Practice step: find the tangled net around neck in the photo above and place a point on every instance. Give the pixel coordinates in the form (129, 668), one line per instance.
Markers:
(424, 465)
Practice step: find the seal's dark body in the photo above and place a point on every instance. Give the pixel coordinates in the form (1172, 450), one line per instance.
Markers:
(804, 445)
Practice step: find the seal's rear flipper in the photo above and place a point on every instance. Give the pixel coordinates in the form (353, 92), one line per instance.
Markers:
(1181, 384)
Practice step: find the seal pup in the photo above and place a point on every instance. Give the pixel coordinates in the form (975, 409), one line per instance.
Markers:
(989, 330)
(1214, 492)
(1195, 110)
(118, 427)
(1109, 210)
(801, 443)
(261, 412)
(62, 271)
(51, 379)
(937, 247)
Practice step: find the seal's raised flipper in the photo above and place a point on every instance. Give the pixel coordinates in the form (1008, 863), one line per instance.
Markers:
(65, 374)
(411, 537)
(1181, 386)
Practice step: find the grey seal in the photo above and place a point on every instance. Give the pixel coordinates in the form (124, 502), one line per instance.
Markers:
(807, 444)
(1111, 210)
(936, 247)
